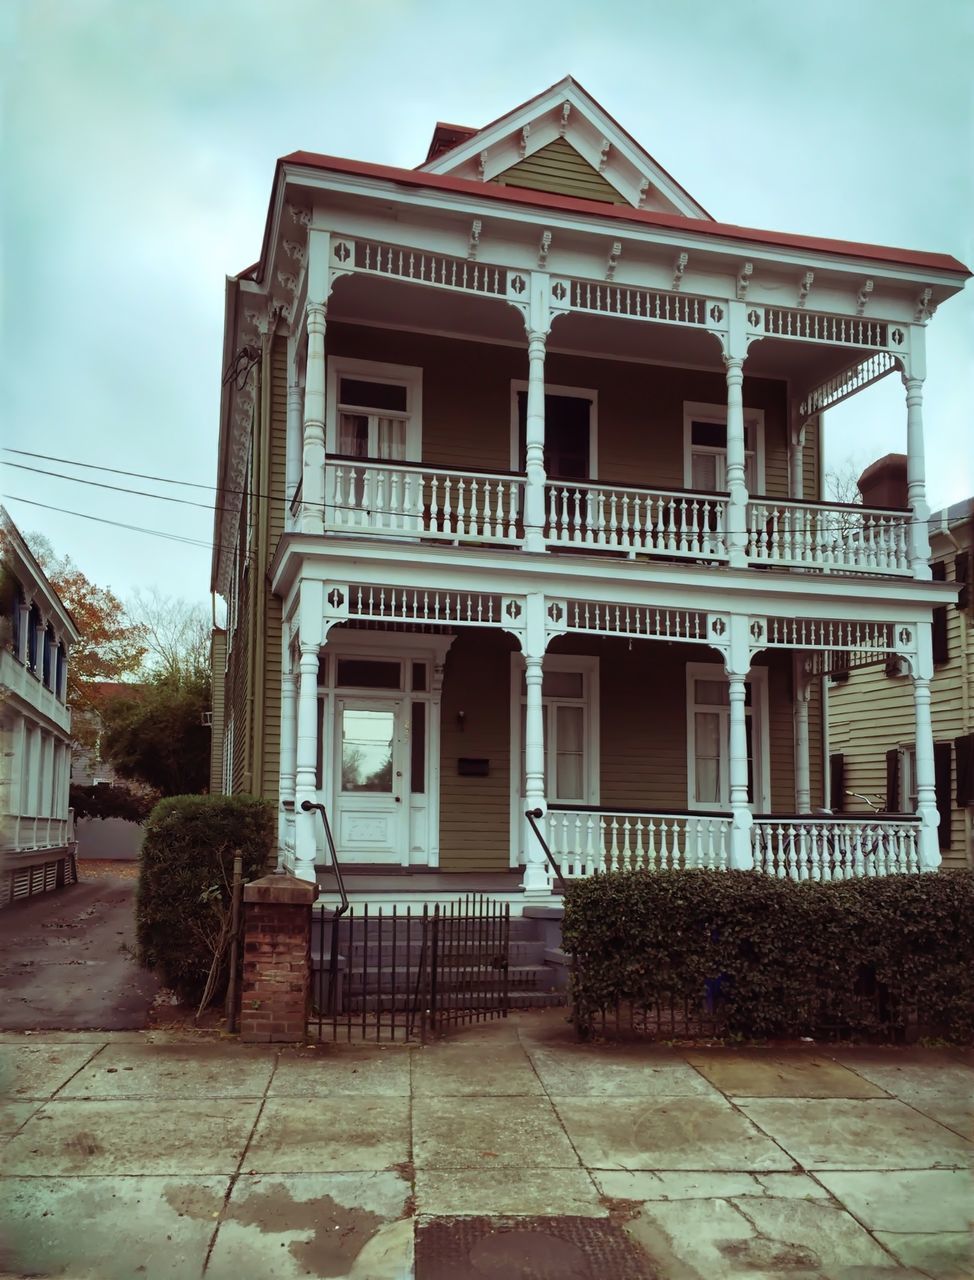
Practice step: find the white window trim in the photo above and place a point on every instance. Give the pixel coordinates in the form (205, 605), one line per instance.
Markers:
(697, 411)
(588, 665)
(407, 375)
(758, 680)
(554, 389)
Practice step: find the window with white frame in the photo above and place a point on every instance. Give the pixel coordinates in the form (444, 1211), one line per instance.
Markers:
(375, 410)
(570, 708)
(708, 738)
(705, 447)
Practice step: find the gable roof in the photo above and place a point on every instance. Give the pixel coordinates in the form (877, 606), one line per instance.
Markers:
(564, 110)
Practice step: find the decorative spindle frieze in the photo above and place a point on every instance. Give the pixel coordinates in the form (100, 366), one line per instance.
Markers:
(594, 617)
(374, 257)
(817, 326)
(826, 633)
(834, 390)
(637, 304)
(428, 606)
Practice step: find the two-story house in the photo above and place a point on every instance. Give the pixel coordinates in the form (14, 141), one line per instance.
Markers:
(36, 850)
(520, 509)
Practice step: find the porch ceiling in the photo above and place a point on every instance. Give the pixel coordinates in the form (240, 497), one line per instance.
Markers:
(358, 299)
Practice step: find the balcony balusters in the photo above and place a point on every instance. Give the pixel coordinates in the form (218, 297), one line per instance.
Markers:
(638, 521)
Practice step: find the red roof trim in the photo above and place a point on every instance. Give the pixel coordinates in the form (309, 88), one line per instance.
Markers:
(670, 221)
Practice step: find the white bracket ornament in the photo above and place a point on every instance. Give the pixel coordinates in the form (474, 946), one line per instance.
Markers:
(643, 192)
(804, 285)
(744, 279)
(862, 297)
(299, 215)
(294, 250)
(924, 307)
(604, 149)
(475, 228)
(566, 110)
(482, 166)
(679, 267)
(335, 604)
(613, 260)
(905, 646)
(523, 144)
(544, 248)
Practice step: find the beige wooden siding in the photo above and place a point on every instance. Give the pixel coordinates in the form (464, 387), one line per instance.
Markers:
(558, 168)
(218, 661)
(872, 713)
(467, 404)
(642, 739)
(277, 443)
(237, 690)
(268, 783)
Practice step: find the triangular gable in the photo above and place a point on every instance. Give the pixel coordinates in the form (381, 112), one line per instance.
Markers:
(568, 118)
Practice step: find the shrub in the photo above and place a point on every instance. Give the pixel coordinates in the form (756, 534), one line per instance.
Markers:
(111, 802)
(186, 872)
(866, 957)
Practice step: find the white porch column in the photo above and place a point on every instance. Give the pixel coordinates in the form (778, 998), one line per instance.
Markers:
(796, 458)
(734, 354)
(803, 690)
(916, 488)
(536, 883)
(22, 647)
(313, 459)
(930, 858)
(534, 496)
(738, 664)
(289, 753)
(306, 761)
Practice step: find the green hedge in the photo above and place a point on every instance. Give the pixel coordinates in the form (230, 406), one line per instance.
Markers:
(187, 853)
(870, 957)
(117, 801)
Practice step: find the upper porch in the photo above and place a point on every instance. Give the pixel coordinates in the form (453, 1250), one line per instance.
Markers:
(519, 409)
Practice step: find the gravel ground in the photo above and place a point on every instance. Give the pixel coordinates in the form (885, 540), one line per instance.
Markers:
(98, 868)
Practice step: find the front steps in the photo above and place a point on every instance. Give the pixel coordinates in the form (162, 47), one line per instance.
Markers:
(378, 965)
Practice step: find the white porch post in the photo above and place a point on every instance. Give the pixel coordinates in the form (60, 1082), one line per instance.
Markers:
(310, 635)
(313, 468)
(536, 882)
(796, 458)
(738, 664)
(736, 477)
(803, 690)
(930, 858)
(289, 749)
(23, 645)
(916, 475)
(538, 324)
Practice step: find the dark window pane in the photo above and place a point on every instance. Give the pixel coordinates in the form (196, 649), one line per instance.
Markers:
(711, 434)
(372, 395)
(566, 436)
(417, 762)
(419, 677)
(360, 673)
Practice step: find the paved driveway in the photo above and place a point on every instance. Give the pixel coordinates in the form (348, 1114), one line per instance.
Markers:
(66, 959)
(509, 1151)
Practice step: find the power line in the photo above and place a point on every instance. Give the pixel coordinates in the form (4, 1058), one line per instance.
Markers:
(581, 486)
(135, 528)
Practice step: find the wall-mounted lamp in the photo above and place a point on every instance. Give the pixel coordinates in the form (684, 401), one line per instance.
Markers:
(461, 720)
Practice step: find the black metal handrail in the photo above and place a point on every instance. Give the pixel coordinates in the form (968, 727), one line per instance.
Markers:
(532, 815)
(307, 806)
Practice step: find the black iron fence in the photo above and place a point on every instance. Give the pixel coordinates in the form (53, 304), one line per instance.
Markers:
(401, 974)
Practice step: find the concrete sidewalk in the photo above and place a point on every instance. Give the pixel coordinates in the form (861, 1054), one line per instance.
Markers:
(508, 1151)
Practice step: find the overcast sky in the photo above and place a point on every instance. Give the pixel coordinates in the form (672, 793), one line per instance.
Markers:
(141, 138)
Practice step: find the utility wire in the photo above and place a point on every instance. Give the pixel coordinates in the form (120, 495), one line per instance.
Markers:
(270, 497)
(83, 515)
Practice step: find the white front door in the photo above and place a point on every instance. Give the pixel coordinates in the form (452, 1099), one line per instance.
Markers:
(372, 788)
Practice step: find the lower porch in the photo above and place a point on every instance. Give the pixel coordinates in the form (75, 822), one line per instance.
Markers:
(421, 746)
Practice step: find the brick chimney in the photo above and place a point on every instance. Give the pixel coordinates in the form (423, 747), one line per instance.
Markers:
(883, 483)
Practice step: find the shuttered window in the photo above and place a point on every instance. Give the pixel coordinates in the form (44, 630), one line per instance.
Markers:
(962, 576)
(837, 782)
(941, 775)
(964, 757)
(941, 649)
(893, 780)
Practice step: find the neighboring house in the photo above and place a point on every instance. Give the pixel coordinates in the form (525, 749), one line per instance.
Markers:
(112, 838)
(520, 507)
(36, 846)
(871, 722)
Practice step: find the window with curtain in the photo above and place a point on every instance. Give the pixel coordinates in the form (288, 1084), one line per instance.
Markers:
(708, 456)
(564, 696)
(373, 418)
(709, 742)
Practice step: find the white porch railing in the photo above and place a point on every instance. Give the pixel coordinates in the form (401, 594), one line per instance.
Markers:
(585, 842)
(814, 535)
(38, 833)
(426, 502)
(646, 521)
(807, 848)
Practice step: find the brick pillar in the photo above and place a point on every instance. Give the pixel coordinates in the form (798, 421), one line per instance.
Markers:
(276, 994)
